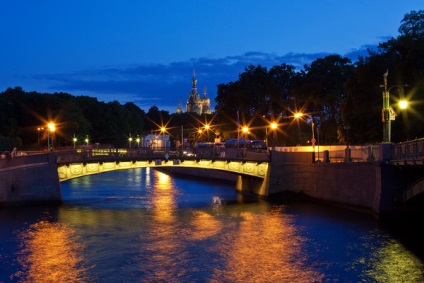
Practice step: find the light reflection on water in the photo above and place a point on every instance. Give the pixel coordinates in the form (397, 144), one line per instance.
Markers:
(146, 226)
(50, 254)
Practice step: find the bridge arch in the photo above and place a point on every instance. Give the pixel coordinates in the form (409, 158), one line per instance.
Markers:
(248, 168)
(414, 190)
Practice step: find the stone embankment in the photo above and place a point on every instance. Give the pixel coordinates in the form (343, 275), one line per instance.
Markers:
(29, 179)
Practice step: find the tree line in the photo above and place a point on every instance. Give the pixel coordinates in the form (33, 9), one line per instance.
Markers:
(342, 98)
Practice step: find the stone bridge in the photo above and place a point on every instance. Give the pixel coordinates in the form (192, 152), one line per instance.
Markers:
(249, 168)
(250, 171)
(384, 184)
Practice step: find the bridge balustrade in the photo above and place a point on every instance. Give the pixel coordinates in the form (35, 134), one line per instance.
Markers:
(409, 151)
(128, 154)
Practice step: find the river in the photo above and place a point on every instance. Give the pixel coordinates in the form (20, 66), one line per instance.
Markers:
(144, 225)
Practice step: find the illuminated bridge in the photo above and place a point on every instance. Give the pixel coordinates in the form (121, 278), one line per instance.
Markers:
(78, 163)
(383, 178)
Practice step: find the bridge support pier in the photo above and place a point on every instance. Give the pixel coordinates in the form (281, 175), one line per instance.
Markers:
(257, 186)
(385, 151)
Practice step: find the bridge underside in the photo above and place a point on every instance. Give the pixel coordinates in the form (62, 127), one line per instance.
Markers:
(75, 170)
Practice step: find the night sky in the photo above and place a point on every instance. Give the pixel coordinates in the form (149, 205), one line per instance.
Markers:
(145, 51)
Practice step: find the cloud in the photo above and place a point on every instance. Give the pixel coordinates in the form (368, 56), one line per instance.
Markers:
(168, 85)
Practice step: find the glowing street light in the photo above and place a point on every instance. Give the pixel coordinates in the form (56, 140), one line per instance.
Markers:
(403, 104)
(163, 131)
(273, 127)
(298, 116)
(130, 139)
(87, 140)
(74, 140)
(51, 130)
(138, 141)
(388, 113)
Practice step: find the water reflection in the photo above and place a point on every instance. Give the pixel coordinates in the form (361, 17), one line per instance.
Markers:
(50, 253)
(392, 262)
(164, 246)
(152, 227)
(265, 248)
(163, 198)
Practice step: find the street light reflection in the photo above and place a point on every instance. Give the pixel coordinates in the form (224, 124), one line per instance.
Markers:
(260, 242)
(51, 254)
(164, 203)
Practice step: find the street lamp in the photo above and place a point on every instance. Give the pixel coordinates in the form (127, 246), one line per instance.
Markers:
(299, 115)
(38, 130)
(130, 141)
(200, 133)
(245, 131)
(388, 113)
(87, 140)
(163, 130)
(138, 141)
(207, 128)
(51, 127)
(273, 126)
(74, 140)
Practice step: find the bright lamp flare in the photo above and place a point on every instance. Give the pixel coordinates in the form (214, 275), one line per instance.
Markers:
(51, 127)
(298, 115)
(403, 104)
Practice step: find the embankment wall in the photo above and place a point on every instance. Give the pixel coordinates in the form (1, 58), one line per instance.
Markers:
(28, 180)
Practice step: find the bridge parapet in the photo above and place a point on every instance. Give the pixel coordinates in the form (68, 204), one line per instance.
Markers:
(409, 153)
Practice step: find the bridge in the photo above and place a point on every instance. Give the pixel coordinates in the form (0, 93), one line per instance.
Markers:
(81, 162)
(379, 178)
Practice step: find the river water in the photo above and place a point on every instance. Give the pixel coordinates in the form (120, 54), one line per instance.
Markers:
(143, 225)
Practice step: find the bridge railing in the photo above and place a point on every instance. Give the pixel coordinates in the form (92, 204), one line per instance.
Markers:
(409, 150)
(126, 154)
(357, 154)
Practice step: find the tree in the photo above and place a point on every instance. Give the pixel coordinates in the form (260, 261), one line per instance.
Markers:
(403, 57)
(320, 89)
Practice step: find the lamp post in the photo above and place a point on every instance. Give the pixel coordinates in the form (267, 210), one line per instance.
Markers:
(297, 116)
(318, 141)
(87, 140)
(163, 130)
(38, 130)
(138, 141)
(129, 141)
(245, 130)
(347, 150)
(74, 139)
(387, 112)
(207, 128)
(273, 128)
(51, 130)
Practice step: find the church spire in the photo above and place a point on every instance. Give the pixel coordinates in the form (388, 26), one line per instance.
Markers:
(194, 83)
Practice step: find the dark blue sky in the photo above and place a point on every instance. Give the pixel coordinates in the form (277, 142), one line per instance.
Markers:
(145, 51)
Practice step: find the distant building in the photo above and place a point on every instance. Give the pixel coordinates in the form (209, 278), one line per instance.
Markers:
(156, 141)
(179, 109)
(194, 102)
